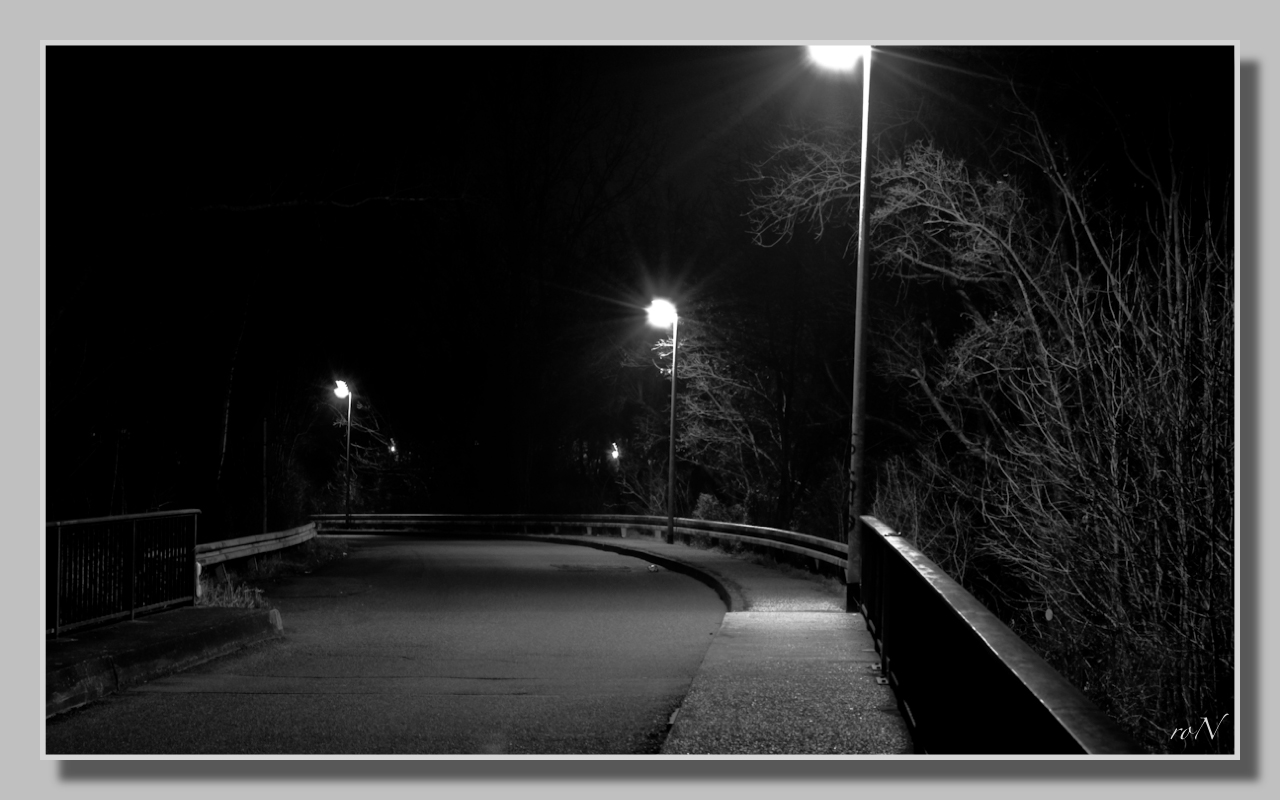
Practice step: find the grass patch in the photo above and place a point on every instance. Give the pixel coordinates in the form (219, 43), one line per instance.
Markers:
(216, 593)
(301, 559)
(247, 581)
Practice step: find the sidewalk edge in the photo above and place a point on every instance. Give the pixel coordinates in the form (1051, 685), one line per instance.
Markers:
(77, 684)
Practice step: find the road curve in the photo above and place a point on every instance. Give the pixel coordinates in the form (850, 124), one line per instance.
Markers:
(467, 646)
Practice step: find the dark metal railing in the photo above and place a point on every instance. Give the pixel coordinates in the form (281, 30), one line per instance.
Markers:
(966, 683)
(801, 544)
(110, 568)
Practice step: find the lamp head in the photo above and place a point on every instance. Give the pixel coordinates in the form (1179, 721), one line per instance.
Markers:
(838, 58)
(662, 314)
(342, 390)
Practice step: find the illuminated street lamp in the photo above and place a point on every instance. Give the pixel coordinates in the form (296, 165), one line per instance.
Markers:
(845, 59)
(343, 391)
(661, 314)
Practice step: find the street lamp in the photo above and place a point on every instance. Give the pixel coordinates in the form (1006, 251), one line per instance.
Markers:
(342, 391)
(661, 314)
(845, 59)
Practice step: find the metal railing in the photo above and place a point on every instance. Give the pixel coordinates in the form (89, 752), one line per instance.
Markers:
(218, 552)
(966, 683)
(815, 547)
(109, 568)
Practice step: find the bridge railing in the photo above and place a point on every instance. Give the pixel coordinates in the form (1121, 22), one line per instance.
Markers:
(966, 683)
(814, 547)
(109, 568)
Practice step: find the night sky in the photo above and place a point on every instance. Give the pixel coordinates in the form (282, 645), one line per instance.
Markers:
(420, 222)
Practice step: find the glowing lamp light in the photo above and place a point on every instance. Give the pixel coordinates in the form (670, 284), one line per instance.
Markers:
(614, 452)
(342, 390)
(662, 314)
(838, 58)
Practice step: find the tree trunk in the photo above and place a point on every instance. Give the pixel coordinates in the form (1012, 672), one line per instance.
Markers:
(226, 405)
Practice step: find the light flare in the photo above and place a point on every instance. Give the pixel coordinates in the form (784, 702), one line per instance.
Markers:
(838, 58)
(662, 313)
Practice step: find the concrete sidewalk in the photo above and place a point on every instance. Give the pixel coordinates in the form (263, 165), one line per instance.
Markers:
(789, 683)
(83, 666)
(788, 673)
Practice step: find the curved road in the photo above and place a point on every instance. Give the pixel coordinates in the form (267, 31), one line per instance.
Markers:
(435, 647)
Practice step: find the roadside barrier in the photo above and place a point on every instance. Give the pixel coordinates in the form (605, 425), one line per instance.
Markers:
(815, 547)
(212, 553)
(965, 682)
(216, 552)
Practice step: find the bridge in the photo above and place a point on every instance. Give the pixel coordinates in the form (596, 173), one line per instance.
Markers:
(914, 641)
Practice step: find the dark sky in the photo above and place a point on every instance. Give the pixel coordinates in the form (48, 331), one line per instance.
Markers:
(333, 209)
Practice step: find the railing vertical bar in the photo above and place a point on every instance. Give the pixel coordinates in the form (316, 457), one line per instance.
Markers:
(191, 561)
(75, 565)
(57, 578)
(84, 567)
(133, 569)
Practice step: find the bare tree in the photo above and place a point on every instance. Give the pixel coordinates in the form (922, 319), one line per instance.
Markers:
(1071, 381)
(741, 418)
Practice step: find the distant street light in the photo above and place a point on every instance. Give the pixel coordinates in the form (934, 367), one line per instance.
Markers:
(343, 391)
(845, 59)
(661, 314)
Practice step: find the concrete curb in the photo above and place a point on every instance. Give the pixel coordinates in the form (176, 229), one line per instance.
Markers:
(95, 677)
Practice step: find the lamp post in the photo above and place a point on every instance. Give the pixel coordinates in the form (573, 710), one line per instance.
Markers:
(661, 314)
(342, 391)
(845, 59)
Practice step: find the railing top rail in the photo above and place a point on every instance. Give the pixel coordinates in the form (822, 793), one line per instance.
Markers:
(123, 517)
(261, 537)
(880, 527)
(710, 526)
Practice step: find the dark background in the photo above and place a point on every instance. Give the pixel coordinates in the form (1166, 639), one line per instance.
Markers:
(461, 233)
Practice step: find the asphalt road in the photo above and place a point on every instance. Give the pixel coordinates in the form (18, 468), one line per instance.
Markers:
(435, 647)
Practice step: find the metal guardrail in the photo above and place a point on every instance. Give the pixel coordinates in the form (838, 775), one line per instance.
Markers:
(815, 547)
(966, 683)
(108, 568)
(218, 552)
